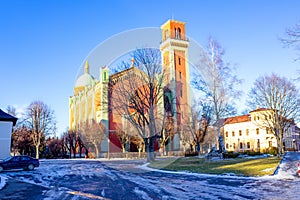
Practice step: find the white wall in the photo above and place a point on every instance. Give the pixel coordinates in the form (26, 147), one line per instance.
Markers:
(5, 138)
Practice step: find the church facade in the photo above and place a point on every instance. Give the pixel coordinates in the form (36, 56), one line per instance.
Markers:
(91, 99)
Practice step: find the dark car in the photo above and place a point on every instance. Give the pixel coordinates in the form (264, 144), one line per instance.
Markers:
(19, 162)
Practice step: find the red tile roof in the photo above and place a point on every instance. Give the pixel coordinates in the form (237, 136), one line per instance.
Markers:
(259, 109)
(237, 119)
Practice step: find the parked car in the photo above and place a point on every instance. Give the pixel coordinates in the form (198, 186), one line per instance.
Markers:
(19, 162)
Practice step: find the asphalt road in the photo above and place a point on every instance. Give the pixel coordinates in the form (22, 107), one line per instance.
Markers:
(124, 179)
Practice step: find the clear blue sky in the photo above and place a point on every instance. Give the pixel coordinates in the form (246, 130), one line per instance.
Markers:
(43, 43)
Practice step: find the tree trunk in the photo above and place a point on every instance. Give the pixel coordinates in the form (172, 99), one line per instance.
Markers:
(37, 151)
(97, 151)
(149, 145)
(198, 148)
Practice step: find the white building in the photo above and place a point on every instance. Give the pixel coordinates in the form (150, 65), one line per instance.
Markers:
(245, 133)
(6, 123)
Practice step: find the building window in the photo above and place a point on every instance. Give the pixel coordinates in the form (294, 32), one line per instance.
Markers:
(233, 145)
(257, 131)
(267, 130)
(270, 143)
(257, 117)
(258, 143)
(240, 132)
(180, 75)
(248, 145)
(247, 132)
(232, 133)
(254, 118)
(104, 76)
(226, 134)
(181, 92)
(226, 145)
(241, 145)
(179, 60)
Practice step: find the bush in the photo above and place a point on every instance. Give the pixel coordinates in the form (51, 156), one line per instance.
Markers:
(230, 154)
(252, 153)
(272, 150)
(190, 153)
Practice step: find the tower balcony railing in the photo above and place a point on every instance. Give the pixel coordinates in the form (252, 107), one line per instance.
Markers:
(175, 38)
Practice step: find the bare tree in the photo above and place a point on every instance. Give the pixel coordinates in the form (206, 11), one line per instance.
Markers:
(135, 96)
(70, 140)
(167, 132)
(55, 147)
(40, 119)
(21, 141)
(196, 124)
(280, 98)
(292, 39)
(11, 110)
(92, 134)
(218, 83)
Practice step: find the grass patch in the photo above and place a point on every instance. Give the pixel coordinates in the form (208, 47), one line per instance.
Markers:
(238, 166)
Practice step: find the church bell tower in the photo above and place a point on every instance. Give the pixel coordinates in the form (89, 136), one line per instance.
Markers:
(174, 53)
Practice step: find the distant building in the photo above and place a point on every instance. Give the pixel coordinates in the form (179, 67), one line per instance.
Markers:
(92, 100)
(6, 123)
(246, 133)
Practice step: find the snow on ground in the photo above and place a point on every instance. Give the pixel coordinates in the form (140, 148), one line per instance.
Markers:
(2, 182)
(181, 185)
(288, 167)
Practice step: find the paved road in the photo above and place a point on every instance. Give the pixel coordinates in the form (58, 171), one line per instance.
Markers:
(94, 179)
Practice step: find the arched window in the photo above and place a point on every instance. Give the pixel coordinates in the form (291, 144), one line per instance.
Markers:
(179, 33)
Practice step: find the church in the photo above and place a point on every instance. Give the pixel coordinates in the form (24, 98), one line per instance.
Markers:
(91, 99)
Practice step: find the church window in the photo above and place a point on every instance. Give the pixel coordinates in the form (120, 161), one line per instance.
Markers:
(179, 33)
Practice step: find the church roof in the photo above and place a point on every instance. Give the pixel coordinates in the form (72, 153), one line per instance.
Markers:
(7, 117)
(85, 79)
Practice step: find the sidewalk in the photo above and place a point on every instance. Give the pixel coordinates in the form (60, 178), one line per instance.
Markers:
(288, 168)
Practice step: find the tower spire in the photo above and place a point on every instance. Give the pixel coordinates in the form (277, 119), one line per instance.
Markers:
(86, 67)
(132, 62)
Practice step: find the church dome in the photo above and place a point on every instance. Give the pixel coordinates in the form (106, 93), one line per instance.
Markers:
(85, 79)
